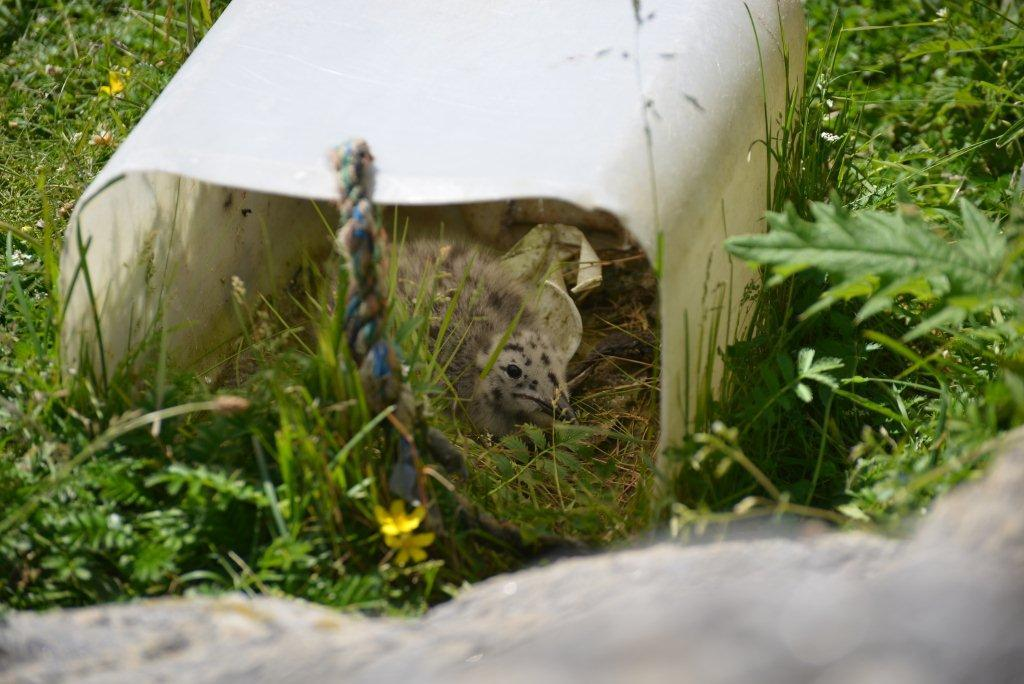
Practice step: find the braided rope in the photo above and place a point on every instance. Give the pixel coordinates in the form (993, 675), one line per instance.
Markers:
(359, 240)
(362, 244)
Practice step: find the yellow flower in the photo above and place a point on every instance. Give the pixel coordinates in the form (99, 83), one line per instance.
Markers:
(397, 527)
(409, 546)
(398, 522)
(116, 86)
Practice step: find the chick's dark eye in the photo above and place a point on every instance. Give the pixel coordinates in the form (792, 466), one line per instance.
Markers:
(514, 371)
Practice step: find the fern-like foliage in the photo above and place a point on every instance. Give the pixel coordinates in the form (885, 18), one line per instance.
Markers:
(882, 256)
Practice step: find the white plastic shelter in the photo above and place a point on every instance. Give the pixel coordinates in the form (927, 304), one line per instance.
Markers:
(633, 124)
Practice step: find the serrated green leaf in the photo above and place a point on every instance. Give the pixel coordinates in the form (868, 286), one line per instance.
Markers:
(885, 256)
(942, 318)
(852, 289)
(982, 238)
(823, 379)
(804, 359)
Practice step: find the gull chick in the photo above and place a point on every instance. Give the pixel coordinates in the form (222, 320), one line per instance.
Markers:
(526, 383)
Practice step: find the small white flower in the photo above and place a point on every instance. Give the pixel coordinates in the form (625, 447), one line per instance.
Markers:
(238, 287)
(19, 258)
(829, 137)
(941, 13)
(829, 103)
(114, 521)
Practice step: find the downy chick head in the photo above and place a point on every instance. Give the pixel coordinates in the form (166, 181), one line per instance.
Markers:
(526, 384)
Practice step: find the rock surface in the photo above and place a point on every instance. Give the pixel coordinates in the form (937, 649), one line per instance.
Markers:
(945, 605)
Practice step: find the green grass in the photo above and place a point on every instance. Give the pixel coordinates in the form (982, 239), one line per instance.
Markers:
(151, 485)
(909, 107)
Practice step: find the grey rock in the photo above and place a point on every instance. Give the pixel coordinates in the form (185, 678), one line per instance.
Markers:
(945, 604)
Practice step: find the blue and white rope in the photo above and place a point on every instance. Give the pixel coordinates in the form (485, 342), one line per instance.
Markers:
(362, 244)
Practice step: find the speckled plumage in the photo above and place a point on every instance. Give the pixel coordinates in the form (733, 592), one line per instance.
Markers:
(527, 382)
